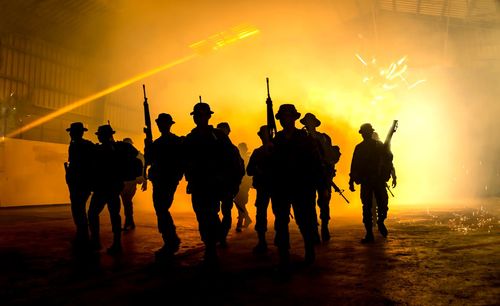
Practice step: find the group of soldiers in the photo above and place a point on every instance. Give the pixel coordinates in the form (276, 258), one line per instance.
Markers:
(292, 169)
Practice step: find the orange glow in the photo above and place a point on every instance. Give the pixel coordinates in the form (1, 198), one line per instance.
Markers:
(213, 43)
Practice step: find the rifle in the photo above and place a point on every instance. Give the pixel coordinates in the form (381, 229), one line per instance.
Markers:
(387, 142)
(148, 140)
(389, 189)
(271, 124)
(339, 191)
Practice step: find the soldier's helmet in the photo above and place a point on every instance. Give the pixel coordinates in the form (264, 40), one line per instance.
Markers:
(105, 130)
(164, 118)
(310, 118)
(128, 140)
(201, 107)
(366, 129)
(76, 126)
(263, 130)
(287, 109)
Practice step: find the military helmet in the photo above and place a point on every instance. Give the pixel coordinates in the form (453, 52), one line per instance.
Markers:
(166, 118)
(201, 107)
(310, 118)
(76, 126)
(105, 130)
(287, 108)
(366, 128)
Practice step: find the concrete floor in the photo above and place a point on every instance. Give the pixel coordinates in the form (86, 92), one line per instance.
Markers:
(430, 258)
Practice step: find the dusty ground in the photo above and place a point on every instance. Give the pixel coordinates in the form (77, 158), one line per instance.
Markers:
(430, 258)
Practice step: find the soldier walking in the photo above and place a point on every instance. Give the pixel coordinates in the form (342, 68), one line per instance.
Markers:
(259, 167)
(78, 178)
(110, 164)
(330, 156)
(365, 171)
(296, 175)
(165, 156)
(210, 175)
(133, 177)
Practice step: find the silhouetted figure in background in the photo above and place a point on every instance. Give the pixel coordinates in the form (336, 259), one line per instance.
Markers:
(259, 167)
(78, 177)
(241, 198)
(365, 170)
(296, 175)
(111, 160)
(165, 156)
(230, 193)
(330, 156)
(133, 176)
(209, 167)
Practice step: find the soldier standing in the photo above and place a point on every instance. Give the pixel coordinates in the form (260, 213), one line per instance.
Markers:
(209, 172)
(167, 168)
(78, 178)
(259, 168)
(330, 156)
(365, 171)
(296, 175)
(133, 176)
(110, 164)
(241, 198)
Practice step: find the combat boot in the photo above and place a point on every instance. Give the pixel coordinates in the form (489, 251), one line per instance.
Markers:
(261, 246)
(382, 229)
(325, 232)
(116, 247)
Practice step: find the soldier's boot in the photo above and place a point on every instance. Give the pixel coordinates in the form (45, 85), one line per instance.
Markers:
(325, 232)
(170, 246)
(116, 247)
(261, 246)
(129, 224)
(316, 238)
(239, 225)
(369, 234)
(310, 255)
(382, 229)
(210, 258)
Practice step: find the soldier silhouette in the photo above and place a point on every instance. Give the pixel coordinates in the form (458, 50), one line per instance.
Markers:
(110, 167)
(78, 177)
(330, 156)
(165, 156)
(241, 198)
(296, 175)
(365, 171)
(133, 177)
(259, 167)
(210, 175)
(228, 197)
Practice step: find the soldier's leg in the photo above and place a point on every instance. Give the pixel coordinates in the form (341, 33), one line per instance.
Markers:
(127, 194)
(324, 197)
(382, 207)
(97, 203)
(366, 199)
(116, 221)
(226, 206)
(281, 209)
(163, 197)
(206, 208)
(261, 204)
(304, 210)
(78, 197)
